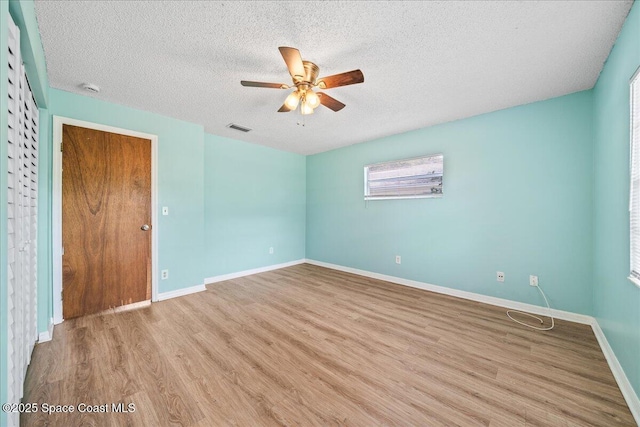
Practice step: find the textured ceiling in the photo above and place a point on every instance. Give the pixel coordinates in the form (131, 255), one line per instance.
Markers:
(424, 62)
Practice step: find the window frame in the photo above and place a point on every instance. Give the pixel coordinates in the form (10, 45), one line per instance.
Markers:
(367, 197)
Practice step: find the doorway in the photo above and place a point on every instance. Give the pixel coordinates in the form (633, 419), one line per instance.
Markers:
(105, 229)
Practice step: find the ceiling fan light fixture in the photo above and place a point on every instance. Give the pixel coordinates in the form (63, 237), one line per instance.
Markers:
(305, 109)
(292, 100)
(312, 99)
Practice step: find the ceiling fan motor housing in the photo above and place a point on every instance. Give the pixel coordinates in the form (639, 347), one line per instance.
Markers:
(311, 71)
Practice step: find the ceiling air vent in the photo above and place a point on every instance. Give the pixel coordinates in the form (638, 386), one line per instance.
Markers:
(238, 127)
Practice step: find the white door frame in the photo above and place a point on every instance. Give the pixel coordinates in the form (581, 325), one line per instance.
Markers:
(58, 122)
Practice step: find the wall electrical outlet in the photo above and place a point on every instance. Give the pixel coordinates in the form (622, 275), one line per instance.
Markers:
(271, 250)
(533, 280)
(398, 259)
(164, 274)
(500, 276)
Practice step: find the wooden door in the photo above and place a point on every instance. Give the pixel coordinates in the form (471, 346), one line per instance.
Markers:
(106, 201)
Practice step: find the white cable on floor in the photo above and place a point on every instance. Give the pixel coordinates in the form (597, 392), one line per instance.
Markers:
(535, 317)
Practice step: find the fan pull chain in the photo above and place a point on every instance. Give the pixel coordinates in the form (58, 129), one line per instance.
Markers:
(301, 120)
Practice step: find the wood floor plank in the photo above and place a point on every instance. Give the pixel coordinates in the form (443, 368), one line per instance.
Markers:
(310, 346)
(159, 380)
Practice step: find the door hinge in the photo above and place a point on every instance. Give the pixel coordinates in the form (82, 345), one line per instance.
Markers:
(61, 147)
(62, 295)
(63, 250)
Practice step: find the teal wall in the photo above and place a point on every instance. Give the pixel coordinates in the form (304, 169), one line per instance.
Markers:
(254, 199)
(616, 299)
(180, 180)
(517, 199)
(45, 248)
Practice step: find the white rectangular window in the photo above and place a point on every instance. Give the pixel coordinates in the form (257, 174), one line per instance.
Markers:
(634, 198)
(404, 179)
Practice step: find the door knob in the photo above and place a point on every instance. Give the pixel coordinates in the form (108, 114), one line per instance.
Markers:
(145, 227)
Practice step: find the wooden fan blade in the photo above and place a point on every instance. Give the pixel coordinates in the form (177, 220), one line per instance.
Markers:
(342, 79)
(294, 61)
(284, 109)
(263, 84)
(329, 102)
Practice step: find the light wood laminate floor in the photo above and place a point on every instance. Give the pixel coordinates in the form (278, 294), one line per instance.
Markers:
(309, 346)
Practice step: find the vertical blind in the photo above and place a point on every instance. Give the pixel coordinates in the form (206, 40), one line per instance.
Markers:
(634, 199)
(21, 221)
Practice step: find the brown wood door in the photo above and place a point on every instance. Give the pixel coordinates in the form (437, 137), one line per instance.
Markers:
(106, 199)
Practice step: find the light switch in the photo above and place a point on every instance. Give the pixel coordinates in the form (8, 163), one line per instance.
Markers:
(165, 210)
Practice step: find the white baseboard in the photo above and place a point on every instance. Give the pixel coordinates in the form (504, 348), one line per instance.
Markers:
(180, 292)
(48, 334)
(618, 373)
(230, 276)
(500, 302)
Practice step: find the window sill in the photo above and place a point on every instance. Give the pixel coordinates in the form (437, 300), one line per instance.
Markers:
(634, 281)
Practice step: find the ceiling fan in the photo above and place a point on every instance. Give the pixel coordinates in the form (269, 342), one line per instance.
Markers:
(305, 77)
